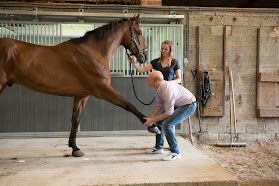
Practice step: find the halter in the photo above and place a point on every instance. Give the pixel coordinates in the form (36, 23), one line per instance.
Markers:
(136, 43)
(142, 57)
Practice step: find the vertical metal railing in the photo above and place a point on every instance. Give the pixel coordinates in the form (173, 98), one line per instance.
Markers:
(42, 34)
(50, 34)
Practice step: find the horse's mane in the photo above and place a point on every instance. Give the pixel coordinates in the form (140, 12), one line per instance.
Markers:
(98, 33)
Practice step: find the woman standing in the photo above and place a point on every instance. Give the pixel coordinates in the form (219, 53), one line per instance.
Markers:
(166, 64)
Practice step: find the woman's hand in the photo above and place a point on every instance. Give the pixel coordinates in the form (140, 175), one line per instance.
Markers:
(131, 60)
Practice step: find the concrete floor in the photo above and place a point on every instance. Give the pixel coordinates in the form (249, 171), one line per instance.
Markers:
(107, 161)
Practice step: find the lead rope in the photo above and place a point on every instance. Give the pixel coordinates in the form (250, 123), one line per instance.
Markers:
(135, 90)
(133, 40)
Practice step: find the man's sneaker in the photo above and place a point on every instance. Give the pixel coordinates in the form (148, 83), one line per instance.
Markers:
(172, 156)
(154, 151)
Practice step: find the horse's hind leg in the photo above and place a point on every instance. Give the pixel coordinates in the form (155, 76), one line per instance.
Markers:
(79, 104)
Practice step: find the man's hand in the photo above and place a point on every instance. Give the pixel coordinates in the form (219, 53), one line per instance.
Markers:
(149, 122)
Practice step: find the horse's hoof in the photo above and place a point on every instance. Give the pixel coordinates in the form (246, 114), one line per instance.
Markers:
(78, 153)
(154, 129)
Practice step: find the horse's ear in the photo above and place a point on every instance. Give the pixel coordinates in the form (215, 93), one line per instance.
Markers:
(136, 18)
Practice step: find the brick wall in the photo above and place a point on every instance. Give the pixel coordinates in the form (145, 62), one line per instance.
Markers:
(241, 47)
(151, 2)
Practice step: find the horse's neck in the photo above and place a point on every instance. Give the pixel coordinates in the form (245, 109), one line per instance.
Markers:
(108, 46)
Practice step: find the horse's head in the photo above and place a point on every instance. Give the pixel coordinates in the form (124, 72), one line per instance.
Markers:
(134, 41)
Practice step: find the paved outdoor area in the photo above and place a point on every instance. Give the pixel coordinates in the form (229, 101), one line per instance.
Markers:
(107, 161)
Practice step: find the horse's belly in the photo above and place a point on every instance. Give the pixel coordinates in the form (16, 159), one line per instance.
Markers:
(55, 88)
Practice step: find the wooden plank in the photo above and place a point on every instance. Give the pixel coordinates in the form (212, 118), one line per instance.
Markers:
(224, 65)
(276, 93)
(232, 100)
(216, 75)
(210, 111)
(260, 102)
(258, 70)
(269, 77)
(133, 2)
(268, 112)
(214, 106)
(198, 76)
(198, 57)
(266, 95)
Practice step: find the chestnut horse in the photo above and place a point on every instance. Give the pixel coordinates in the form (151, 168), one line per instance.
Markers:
(76, 68)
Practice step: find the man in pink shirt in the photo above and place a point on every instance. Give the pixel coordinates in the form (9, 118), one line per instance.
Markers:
(178, 103)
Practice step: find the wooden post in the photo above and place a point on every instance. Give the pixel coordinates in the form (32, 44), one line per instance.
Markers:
(198, 66)
(224, 65)
(258, 70)
(190, 130)
(232, 100)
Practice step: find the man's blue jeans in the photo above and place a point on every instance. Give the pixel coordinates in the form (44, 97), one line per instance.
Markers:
(180, 114)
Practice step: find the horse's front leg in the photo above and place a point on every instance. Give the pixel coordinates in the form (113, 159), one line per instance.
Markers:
(79, 104)
(109, 94)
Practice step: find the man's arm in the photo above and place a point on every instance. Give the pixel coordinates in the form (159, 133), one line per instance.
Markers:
(155, 112)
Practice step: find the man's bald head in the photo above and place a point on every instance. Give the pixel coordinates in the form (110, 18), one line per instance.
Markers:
(156, 76)
(154, 79)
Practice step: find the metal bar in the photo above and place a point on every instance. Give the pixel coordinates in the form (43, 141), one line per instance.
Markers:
(30, 38)
(34, 37)
(161, 35)
(52, 34)
(42, 36)
(60, 33)
(10, 28)
(181, 55)
(86, 14)
(167, 33)
(38, 36)
(45, 30)
(14, 31)
(56, 33)
(6, 29)
(49, 35)
(21, 32)
(26, 32)
(124, 62)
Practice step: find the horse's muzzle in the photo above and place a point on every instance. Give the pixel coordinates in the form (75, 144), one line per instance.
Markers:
(142, 55)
